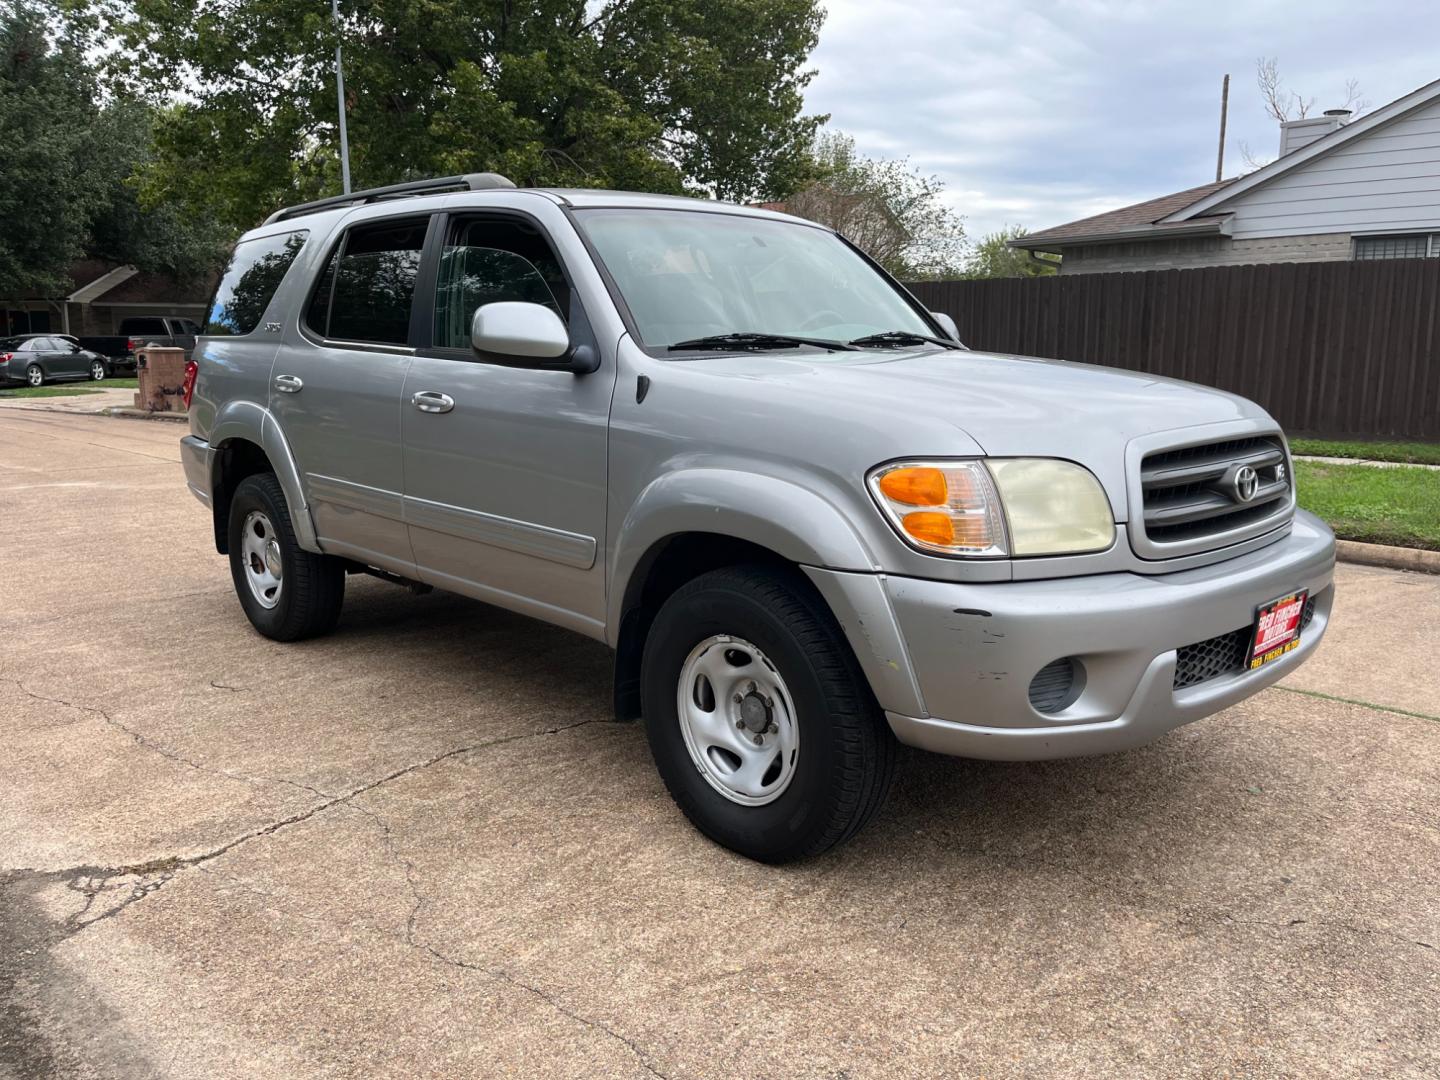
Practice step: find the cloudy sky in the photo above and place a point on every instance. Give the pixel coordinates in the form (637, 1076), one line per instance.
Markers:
(1036, 112)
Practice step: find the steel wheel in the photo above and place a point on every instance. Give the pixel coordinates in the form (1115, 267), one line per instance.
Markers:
(738, 720)
(34, 376)
(97, 370)
(260, 552)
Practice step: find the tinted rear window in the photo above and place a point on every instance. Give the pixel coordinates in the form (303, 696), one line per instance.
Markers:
(366, 290)
(142, 326)
(255, 272)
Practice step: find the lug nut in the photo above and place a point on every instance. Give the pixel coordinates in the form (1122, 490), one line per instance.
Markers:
(739, 698)
(739, 725)
(759, 740)
(774, 727)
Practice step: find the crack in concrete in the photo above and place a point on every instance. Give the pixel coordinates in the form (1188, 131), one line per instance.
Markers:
(144, 741)
(1356, 701)
(501, 975)
(168, 866)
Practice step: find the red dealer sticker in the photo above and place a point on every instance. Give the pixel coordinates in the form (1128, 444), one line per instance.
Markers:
(1277, 628)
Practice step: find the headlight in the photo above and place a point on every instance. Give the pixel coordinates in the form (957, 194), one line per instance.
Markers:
(995, 507)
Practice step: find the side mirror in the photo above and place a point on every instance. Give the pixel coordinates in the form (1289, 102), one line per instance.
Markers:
(523, 334)
(947, 324)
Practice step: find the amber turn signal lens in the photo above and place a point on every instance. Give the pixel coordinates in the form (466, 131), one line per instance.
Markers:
(930, 527)
(916, 487)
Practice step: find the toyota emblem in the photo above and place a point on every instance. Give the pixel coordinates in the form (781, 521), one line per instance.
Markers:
(1247, 483)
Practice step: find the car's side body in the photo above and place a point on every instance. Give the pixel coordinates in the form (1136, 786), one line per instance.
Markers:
(588, 499)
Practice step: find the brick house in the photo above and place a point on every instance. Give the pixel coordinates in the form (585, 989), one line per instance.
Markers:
(1340, 189)
(102, 294)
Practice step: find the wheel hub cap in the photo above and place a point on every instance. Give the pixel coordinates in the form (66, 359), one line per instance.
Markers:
(738, 720)
(260, 554)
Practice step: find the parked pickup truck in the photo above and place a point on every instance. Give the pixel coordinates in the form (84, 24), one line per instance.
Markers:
(810, 523)
(138, 331)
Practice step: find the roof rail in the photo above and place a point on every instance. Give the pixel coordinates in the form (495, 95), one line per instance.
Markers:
(468, 182)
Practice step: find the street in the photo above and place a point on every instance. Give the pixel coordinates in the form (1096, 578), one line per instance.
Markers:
(421, 847)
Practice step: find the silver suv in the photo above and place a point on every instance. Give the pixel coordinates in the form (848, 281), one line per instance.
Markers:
(810, 523)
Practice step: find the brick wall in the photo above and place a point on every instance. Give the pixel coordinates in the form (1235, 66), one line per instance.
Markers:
(1191, 252)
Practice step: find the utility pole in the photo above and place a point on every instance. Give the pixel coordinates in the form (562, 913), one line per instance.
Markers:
(340, 97)
(1219, 160)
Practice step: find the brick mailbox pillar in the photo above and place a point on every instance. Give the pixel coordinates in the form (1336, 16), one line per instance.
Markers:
(160, 370)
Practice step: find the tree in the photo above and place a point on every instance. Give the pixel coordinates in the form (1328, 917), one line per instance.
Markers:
(702, 96)
(993, 257)
(1284, 104)
(892, 212)
(45, 118)
(70, 152)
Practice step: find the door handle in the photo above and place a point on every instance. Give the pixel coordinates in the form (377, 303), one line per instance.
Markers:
(432, 401)
(289, 384)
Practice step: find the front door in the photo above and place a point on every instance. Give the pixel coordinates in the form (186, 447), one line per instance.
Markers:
(505, 489)
(336, 389)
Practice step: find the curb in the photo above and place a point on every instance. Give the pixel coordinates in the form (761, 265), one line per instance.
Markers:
(1372, 463)
(1392, 558)
(126, 412)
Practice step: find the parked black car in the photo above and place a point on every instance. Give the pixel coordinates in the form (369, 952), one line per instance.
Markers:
(36, 359)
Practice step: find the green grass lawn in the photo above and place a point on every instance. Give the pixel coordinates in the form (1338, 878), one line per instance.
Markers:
(71, 389)
(1413, 453)
(1396, 506)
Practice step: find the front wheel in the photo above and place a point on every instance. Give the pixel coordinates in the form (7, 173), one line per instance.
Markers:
(759, 719)
(97, 370)
(34, 375)
(288, 593)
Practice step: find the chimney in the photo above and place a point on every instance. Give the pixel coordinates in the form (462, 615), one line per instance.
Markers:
(1297, 133)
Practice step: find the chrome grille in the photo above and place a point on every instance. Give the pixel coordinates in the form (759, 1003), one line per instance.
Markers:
(1224, 654)
(1197, 497)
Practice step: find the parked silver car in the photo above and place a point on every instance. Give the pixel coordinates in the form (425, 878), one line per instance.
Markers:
(721, 440)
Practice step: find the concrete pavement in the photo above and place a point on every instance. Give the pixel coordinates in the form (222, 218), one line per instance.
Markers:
(419, 847)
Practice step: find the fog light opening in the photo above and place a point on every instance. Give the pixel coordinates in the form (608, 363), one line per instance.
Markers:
(1057, 685)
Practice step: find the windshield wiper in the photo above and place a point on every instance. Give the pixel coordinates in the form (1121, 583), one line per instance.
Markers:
(901, 337)
(753, 340)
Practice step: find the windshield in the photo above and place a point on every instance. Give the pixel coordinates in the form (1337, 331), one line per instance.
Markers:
(687, 275)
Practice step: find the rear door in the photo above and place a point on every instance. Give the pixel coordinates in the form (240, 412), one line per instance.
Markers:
(336, 389)
(505, 490)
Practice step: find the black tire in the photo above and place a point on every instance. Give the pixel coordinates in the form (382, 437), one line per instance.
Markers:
(847, 751)
(98, 370)
(313, 587)
(34, 375)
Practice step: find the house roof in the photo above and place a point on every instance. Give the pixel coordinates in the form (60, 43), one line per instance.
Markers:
(1139, 219)
(1202, 209)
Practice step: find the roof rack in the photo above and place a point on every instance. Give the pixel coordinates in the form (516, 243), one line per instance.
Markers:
(468, 182)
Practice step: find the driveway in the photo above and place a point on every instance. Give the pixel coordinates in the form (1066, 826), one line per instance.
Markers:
(420, 847)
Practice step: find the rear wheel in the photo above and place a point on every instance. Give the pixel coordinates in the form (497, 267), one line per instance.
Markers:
(34, 375)
(97, 370)
(760, 721)
(288, 593)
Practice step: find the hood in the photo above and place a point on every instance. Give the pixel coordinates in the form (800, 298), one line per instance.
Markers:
(1007, 406)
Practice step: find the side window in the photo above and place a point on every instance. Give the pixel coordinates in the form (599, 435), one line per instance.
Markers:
(250, 281)
(366, 290)
(490, 260)
(143, 326)
(187, 326)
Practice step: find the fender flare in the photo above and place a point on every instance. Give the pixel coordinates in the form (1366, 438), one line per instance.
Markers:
(254, 423)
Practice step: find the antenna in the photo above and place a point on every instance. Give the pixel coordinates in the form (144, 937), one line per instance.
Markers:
(1224, 109)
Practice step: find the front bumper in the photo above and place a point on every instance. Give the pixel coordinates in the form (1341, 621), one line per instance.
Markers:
(199, 459)
(974, 649)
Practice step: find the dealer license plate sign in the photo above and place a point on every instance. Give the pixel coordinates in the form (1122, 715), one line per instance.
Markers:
(1277, 628)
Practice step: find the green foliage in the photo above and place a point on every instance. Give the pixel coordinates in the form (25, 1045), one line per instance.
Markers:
(993, 257)
(45, 120)
(702, 96)
(892, 212)
(1399, 506)
(70, 152)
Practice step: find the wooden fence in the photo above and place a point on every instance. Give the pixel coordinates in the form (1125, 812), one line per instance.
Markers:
(1336, 348)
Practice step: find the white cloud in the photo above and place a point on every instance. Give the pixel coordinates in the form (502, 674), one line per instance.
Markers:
(1036, 112)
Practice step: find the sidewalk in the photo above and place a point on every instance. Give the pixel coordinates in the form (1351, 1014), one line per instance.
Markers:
(96, 402)
(1365, 461)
